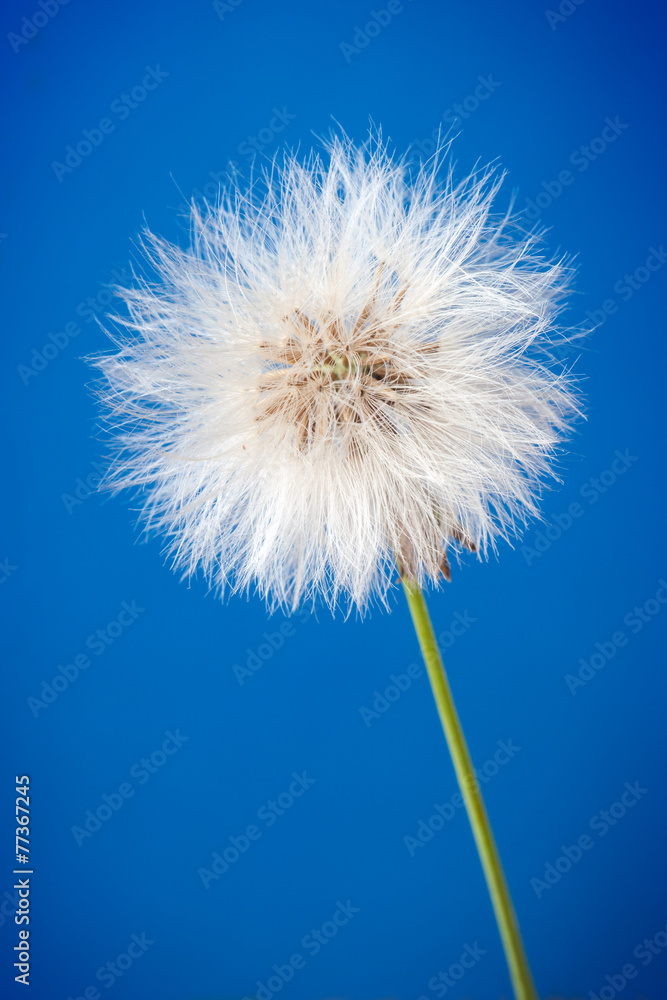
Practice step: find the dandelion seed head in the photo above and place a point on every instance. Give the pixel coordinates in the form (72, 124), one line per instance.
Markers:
(349, 366)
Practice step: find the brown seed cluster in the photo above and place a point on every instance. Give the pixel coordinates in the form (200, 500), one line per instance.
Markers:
(326, 377)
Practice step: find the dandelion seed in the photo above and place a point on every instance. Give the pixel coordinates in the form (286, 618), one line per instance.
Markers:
(350, 367)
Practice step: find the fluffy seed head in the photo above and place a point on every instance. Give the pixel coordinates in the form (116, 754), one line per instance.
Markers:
(346, 369)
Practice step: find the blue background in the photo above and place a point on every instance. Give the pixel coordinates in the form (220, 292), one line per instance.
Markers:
(70, 563)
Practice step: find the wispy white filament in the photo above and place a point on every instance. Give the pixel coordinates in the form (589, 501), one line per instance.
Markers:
(350, 368)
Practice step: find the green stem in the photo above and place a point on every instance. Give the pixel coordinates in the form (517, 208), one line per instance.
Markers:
(508, 926)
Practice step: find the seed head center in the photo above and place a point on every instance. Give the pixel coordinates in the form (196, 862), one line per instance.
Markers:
(325, 377)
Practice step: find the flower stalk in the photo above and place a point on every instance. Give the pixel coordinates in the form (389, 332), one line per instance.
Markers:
(522, 980)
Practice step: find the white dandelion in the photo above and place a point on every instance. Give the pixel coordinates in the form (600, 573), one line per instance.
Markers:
(349, 370)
